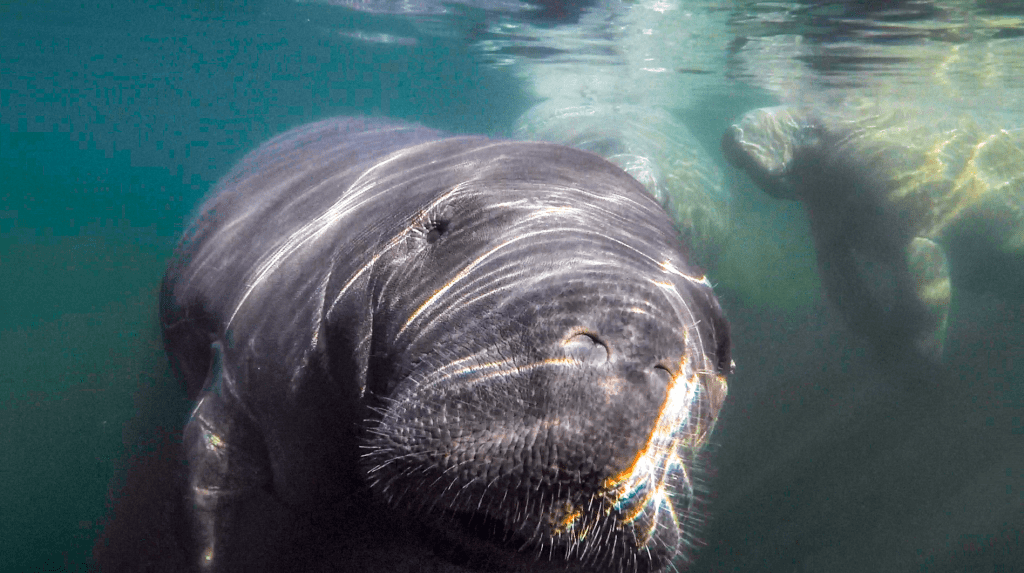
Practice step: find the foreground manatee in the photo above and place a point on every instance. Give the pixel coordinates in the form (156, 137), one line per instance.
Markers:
(654, 147)
(897, 198)
(501, 340)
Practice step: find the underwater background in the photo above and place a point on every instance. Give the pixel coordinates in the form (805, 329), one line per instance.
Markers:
(117, 117)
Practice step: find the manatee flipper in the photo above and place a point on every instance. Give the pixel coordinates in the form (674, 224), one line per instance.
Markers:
(860, 288)
(900, 304)
(929, 269)
(229, 478)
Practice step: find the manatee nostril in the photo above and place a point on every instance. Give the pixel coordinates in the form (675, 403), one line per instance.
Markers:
(586, 347)
(661, 375)
(435, 229)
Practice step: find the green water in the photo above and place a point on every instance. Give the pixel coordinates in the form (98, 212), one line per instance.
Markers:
(80, 266)
(115, 120)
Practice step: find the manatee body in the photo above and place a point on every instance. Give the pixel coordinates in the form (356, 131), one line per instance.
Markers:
(898, 199)
(498, 340)
(654, 147)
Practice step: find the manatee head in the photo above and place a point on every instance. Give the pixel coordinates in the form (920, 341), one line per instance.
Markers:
(547, 372)
(772, 144)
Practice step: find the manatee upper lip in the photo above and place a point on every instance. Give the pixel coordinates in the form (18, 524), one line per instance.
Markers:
(522, 481)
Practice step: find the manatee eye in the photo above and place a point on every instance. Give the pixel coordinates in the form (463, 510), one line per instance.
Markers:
(435, 229)
(586, 347)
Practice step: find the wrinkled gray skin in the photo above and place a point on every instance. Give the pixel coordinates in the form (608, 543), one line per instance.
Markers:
(485, 335)
(899, 200)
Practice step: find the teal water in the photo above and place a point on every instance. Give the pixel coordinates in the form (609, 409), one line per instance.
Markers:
(115, 119)
(114, 123)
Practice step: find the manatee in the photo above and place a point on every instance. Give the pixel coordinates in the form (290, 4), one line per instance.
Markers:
(654, 147)
(500, 341)
(900, 199)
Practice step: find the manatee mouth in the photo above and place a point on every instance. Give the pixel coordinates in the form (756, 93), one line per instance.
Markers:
(553, 464)
(486, 542)
(490, 504)
(485, 528)
(475, 537)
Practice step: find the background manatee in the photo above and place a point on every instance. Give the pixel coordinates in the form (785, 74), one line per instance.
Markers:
(903, 202)
(653, 146)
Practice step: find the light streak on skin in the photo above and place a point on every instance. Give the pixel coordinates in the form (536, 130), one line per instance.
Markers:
(443, 370)
(418, 222)
(321, 292)
(638, 310)
(403, 235)
(465, 272)
(490, 370)
(514, 369)
(306, 234)
(498, 281)
(689, 320)
(358, 194)
(671, 269)
(653, 466)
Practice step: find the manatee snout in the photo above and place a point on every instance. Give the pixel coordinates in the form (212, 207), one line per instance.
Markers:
(770, 144)
(569, 454)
